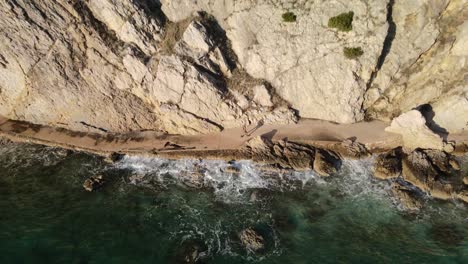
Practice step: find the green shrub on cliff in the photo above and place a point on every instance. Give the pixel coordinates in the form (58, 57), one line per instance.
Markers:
(289, 17)
(353, 53)
(342, 22)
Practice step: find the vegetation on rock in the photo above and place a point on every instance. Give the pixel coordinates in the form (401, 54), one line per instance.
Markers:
(353, 53)
(289, 17)
(342, 22)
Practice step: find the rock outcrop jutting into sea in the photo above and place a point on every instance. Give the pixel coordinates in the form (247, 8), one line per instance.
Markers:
(192, 67)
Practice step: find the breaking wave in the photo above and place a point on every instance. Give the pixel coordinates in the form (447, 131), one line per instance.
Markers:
(230, 181)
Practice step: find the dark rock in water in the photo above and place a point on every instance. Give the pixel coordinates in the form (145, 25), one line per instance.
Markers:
(193, 179)
(64, 152)
(191, 251)
(447, 235)
(406, 197)
(114, 157)
(326, 163)
(251, 239)
(315, 213)
(4, 141)
(232, 169)
(388, 165)
(93, 183)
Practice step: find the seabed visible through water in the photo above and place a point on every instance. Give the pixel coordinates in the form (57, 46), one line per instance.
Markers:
(151, 212)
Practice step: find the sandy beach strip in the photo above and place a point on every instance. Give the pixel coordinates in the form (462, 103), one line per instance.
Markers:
(311, 132)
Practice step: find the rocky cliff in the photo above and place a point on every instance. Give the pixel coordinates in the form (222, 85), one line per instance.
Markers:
(189, 67)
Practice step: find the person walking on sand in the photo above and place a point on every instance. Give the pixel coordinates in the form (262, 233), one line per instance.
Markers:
(259, 125)
(244, 128)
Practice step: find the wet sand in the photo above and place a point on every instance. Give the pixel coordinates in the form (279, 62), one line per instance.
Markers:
(311, 132)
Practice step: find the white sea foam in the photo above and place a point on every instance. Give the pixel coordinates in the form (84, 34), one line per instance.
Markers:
(354, 179)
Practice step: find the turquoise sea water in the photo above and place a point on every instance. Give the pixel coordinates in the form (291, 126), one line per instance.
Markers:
(149, 212)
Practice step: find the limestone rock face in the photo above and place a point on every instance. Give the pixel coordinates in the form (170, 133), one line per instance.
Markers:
(412, 127)
(190, 67)
(107, 66)
(61, 65)
(303, 60)
(424, 63)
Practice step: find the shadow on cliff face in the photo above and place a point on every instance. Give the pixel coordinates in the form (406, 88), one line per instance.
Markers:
(387, 45)
(152, 8)
(429, 114)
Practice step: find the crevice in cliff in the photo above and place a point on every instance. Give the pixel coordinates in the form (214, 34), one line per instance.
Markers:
(240, 80)
(387, 45)
(211, 122)
(220, 38)
(152, 9)
(93, 127)
(172, 34)
(27, 17)
(108, 36)
(3, 61)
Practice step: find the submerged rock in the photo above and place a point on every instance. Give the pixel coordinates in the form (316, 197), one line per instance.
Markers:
(326, 163)
(251, 239)
(447, 235)
(94, 183)
(190, 251)
(388, 165)
(114, 157)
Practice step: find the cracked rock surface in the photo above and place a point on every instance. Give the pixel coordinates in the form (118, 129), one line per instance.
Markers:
(191, 67)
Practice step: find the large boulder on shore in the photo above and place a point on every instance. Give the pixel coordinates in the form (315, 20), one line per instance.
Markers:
(429, 176)
(418, 170)
(284, 154)
(414, 131)
(388, 165)
(326, 163)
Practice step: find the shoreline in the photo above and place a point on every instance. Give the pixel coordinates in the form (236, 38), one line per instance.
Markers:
(228, 144)
(308, 145)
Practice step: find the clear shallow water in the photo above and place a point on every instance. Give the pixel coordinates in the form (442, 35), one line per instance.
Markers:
(150, 213)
